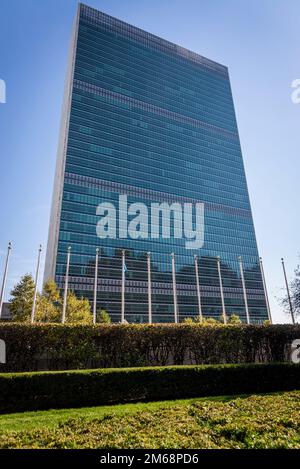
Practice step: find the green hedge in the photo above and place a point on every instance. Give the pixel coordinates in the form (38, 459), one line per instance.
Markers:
(62, 347)
(44, 390)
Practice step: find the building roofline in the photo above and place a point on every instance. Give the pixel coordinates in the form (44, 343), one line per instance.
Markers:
(149, 39)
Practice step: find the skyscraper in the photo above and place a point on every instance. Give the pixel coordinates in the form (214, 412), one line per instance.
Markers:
(154, 123)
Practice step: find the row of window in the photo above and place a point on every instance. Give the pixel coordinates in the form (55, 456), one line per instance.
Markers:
(111, 269)
(98, 21)
(99, 100)
(180, 187)
(98, 111)
(231, 227)
(147, 60)
(207, 110)
(165, 246)
(207, 186)
(92, 185)
(81, 231)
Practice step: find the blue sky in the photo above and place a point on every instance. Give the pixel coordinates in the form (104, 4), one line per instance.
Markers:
(257, 40)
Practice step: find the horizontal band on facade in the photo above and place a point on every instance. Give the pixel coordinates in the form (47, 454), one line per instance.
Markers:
(89, 88)
(134, 286)
(150, 40)
(169, 292)
(148, 194)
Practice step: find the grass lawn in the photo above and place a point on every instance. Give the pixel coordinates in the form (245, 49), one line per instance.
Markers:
(258, 421)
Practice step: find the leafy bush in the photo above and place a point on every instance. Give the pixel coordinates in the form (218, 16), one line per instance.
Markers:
(32, 391)
(103, 316)
(60, 347)
(234, 319)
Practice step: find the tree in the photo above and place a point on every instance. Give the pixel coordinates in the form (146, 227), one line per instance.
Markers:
(49, 306)
(103, 316)
(46, 311)
(22, 299)
(234, 319)
(51, 291)
(78, 310)
(295, 294)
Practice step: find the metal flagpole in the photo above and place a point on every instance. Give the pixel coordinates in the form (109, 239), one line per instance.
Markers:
(149, 288)
(198, 288)
(244, 289)
(288, 291)
(265, 289)
(174, 288)
(66, 286)
(95, 287)
(221, 290)
(36, 285)
(5, 276)
(123, 288)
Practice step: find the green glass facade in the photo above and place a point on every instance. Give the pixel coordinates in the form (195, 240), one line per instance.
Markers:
(149, 119)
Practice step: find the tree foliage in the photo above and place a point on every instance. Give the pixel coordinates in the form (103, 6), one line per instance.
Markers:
(20, 304)
(78, 310)
(48, 305)
(234, 319)
(103, 316)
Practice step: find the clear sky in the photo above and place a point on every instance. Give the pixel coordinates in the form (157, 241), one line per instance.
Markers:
(258, 40)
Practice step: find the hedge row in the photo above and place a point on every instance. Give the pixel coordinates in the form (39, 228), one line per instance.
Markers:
(62, 347)
(44, 390)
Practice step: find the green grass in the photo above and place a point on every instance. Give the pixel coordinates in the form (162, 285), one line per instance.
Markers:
(50, 418)
(258, 421)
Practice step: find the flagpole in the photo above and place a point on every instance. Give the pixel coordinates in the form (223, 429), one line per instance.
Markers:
(95, 287)
(174, 288)
(198, 288)
(265, 289)
(244, 289)
(288, 292)
(36, 285)
(66, 286)
(149, 288)
(221, 290)
(123, 288)
(5, 276)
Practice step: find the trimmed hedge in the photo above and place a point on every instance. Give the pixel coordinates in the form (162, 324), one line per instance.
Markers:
(62, 347)
(33, 391)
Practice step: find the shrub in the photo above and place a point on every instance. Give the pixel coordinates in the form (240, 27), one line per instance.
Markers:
(32, 391)
(103, 316)
(234, 319)
(211, 321)
(67, 346)
(188, 321)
